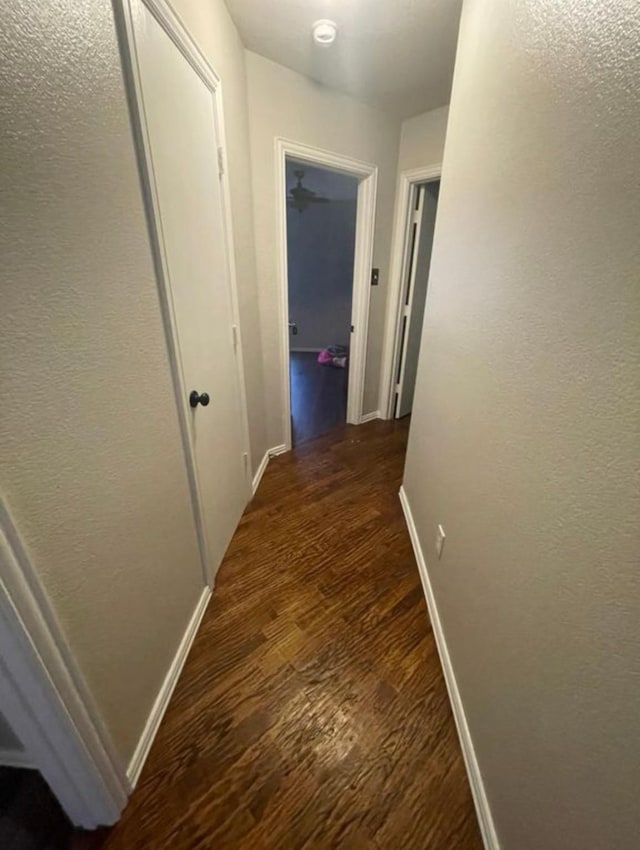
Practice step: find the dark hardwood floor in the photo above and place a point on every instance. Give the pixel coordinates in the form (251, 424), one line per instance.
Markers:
(318, 396)
(312, 711)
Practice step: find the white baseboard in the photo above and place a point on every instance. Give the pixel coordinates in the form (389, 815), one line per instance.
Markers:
(369, 417)
(162, 700)
(306, 350)
(15, 758)
(257, 478)
(278, 450)
(483, 811)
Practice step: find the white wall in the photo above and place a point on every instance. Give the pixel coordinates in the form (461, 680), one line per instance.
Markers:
(525, 436)
(320, 251)
(284, 103)
(92, 465)
(422, 139)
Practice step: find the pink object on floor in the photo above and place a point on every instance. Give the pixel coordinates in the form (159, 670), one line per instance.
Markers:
(334, 355)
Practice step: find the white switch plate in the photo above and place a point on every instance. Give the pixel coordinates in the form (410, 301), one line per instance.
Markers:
(440, 537)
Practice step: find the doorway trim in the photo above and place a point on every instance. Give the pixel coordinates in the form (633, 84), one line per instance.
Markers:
(408, 182)
(367, 175)
(173, 26)
(45, 698)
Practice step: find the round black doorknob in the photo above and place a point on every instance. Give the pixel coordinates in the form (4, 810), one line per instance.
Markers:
(196, 398)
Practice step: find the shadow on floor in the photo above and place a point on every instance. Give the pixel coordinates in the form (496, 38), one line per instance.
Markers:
(318, 396)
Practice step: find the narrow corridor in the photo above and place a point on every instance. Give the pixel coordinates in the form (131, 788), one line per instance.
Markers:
(312, 711)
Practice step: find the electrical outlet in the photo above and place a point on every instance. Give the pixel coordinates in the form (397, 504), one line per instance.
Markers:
(440, 537)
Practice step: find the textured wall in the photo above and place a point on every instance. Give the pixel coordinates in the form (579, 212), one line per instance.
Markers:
(284, 103)
(213, 30)
(91, 463)
(422, 139)
(525, 439)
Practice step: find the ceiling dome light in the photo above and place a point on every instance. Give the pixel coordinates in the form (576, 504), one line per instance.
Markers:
(324, 32)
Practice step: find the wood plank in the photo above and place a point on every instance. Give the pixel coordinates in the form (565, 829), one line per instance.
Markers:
(312, 711)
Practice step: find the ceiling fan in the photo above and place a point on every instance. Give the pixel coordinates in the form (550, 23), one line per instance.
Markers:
(299, 197)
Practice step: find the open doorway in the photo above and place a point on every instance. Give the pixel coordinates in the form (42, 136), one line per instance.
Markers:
(413, 241)
(318, 319)
(321, 228)
(414, 294)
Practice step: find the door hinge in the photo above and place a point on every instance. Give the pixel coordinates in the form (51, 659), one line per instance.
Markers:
(220, 161)
(375, 277)
(351, 328)
(234, 331)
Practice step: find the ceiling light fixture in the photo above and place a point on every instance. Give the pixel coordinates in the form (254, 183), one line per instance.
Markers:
(324, 32)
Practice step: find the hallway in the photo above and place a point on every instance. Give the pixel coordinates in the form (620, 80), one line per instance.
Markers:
(312, 711)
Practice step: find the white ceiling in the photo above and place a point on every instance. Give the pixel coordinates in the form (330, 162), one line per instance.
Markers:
(397, 55)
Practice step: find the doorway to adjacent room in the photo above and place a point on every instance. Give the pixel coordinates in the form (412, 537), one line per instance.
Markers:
(326, 217)
(416, 280)
(321, 226)
(413, 240)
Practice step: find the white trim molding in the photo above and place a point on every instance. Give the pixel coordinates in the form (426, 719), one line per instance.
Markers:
(45, 698)
(369, 417)
(367, 175)
(16, 758)
(257, 478)
(485, 818)
(407, 183)
(162, 700)
(279, 450)
(262, 468)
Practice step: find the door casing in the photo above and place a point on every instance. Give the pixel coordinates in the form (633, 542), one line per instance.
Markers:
(405, 198)
(45, 698)
(414, 293)
(367, 175)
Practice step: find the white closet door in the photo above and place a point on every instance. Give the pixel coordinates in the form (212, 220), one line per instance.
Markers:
(179, 113)
(415, 295)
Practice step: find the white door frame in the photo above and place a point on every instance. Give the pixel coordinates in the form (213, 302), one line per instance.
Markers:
(176, 31)
(367, 175)
(45, 699)
(405, 198)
